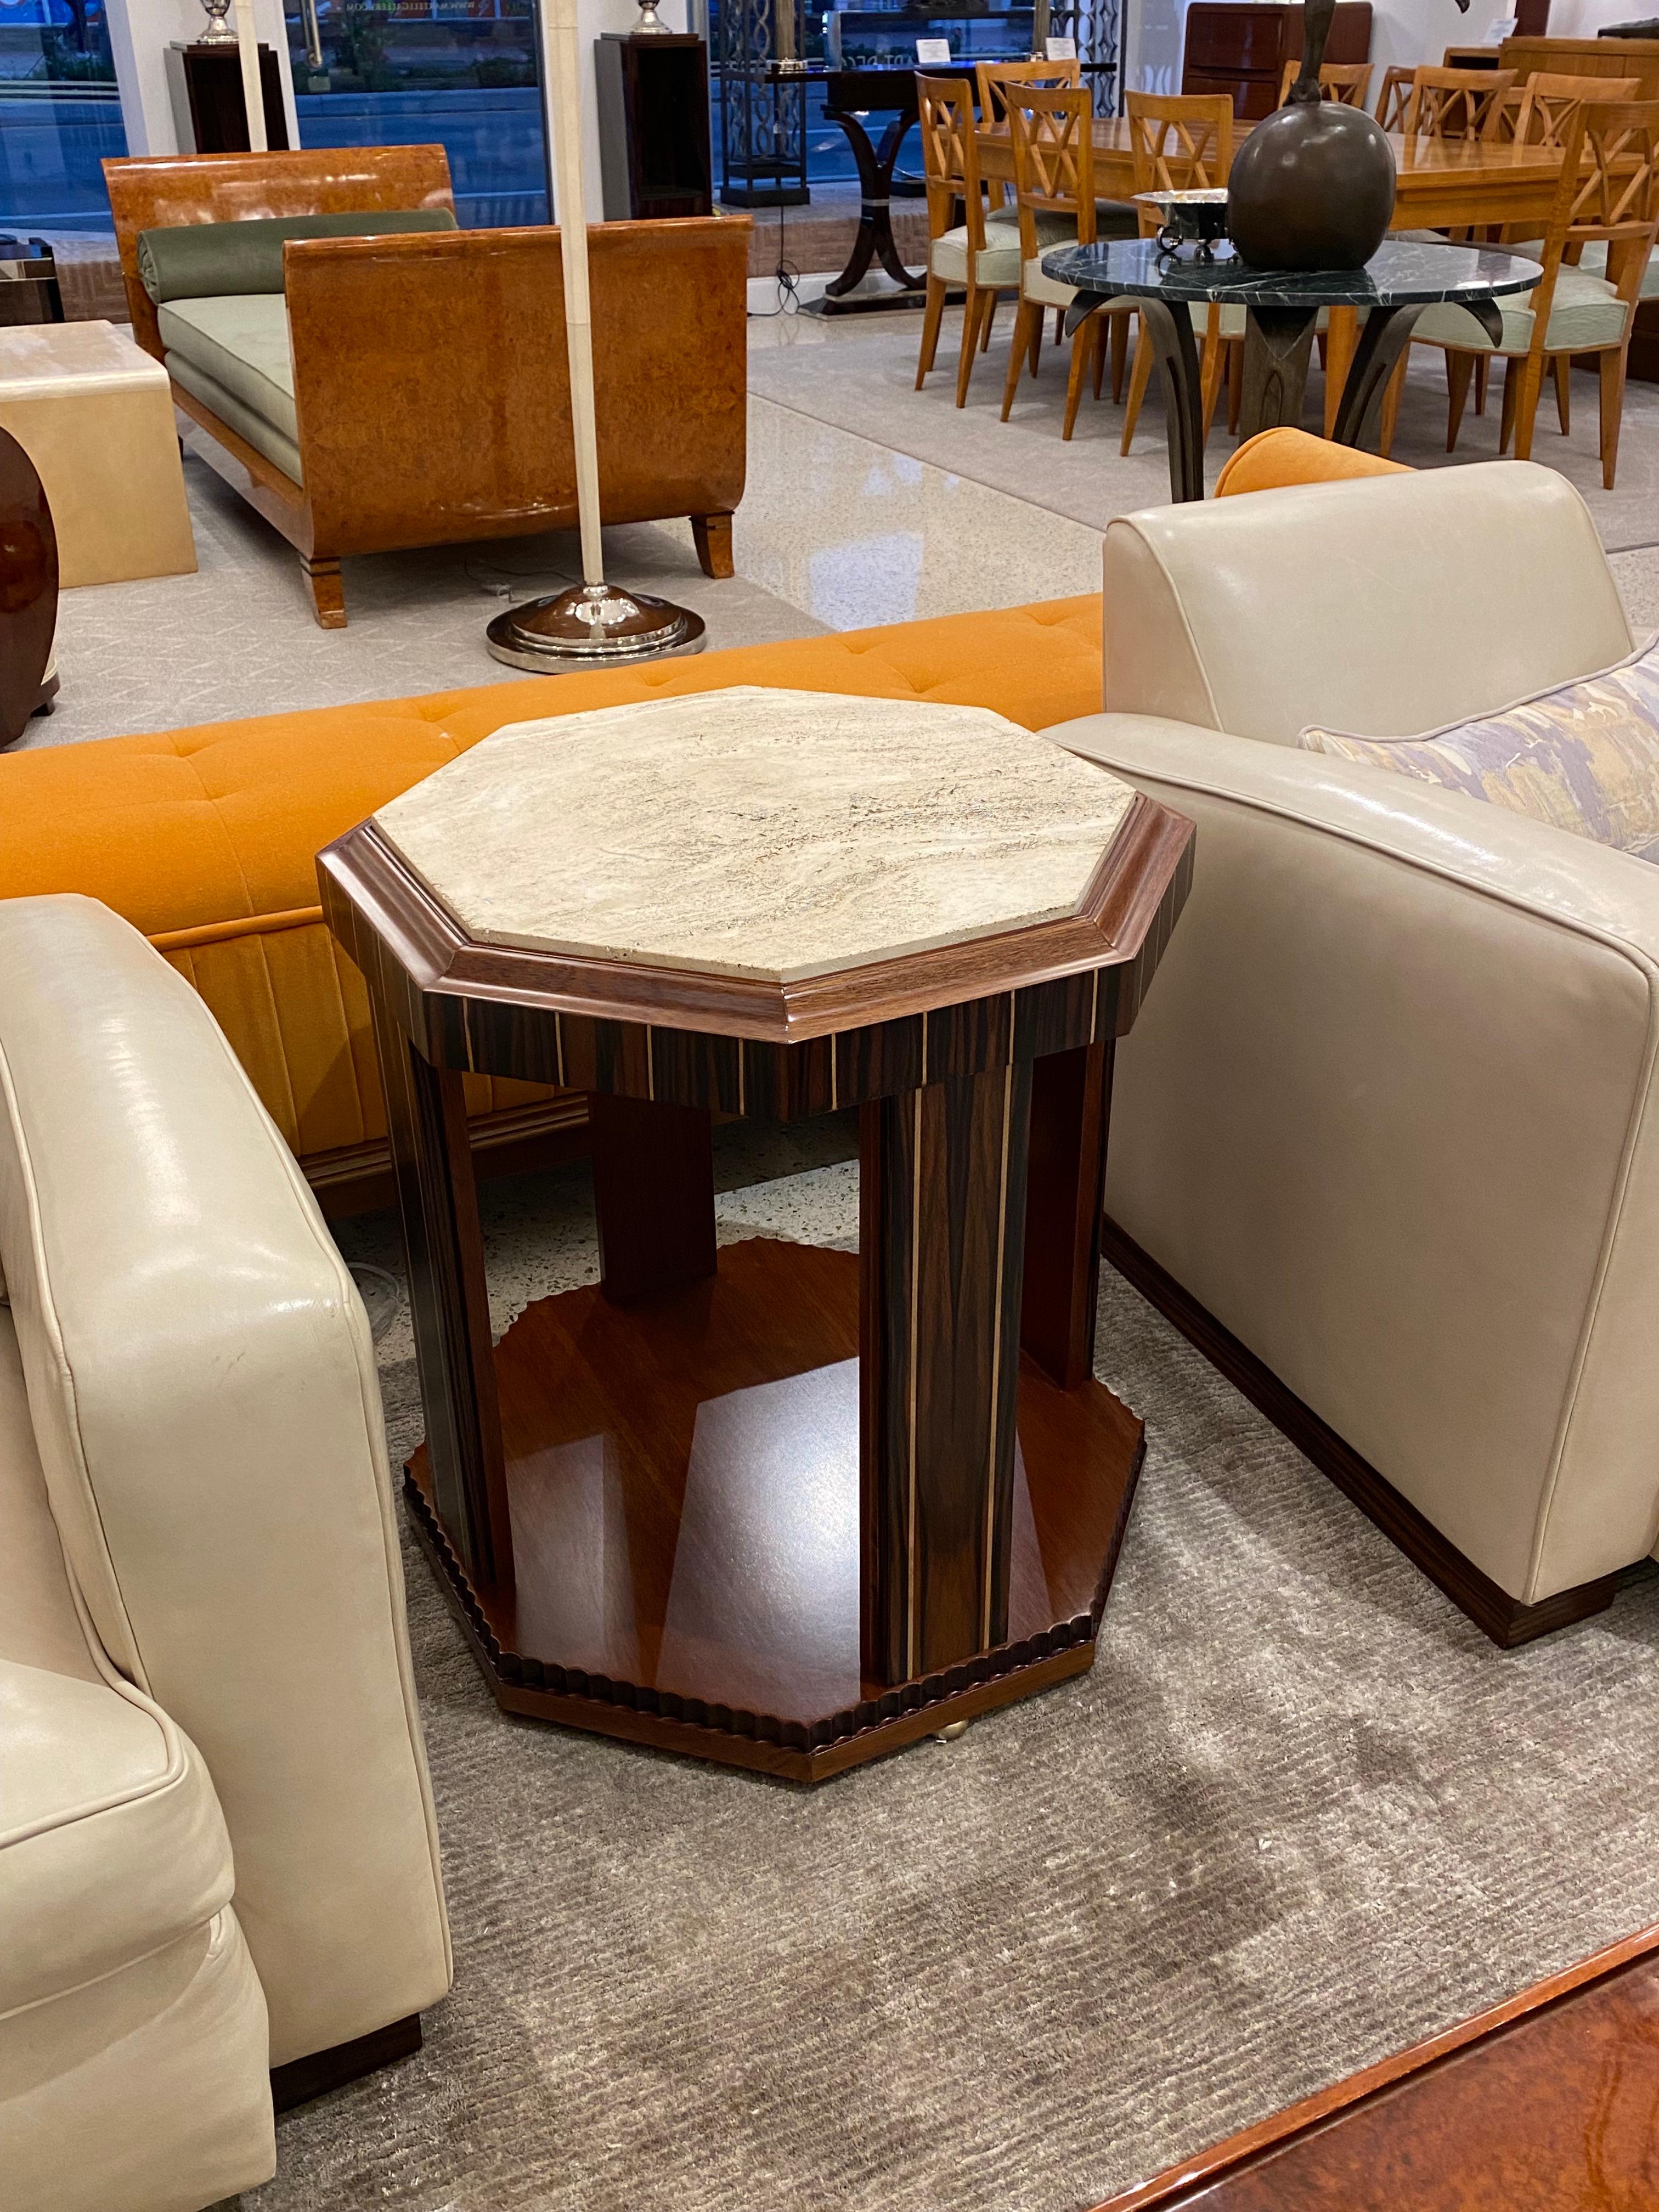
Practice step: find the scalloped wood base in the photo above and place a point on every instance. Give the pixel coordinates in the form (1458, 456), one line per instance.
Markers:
(683, 1475)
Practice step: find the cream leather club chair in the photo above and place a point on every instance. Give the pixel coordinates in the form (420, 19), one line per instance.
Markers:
(1388, 1119)
(203, 1650)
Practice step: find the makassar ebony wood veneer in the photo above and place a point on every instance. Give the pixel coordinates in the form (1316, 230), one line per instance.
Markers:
(785, 1507)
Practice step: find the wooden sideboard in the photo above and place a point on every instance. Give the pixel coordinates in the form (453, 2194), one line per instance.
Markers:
(1241, 46)
(1637, 57)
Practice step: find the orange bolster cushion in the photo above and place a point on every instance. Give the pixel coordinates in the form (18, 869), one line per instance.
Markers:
(1275, 458)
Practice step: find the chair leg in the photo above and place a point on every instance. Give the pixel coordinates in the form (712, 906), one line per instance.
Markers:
(327, 592)
(992, 301)
(1611, 366)
(970, 309)
(1209, 380)
(1037, 340)
(1235, 384)
(1120, 354)
(1562, 364)
(1024, 315)
(1482, 369)
(711, 535)
(1059, 325)
(1083, 344)
(1512, 367)
(1460, 367)
(1139, 378)
(932, 315)
(1391, 399)
(1526, 405)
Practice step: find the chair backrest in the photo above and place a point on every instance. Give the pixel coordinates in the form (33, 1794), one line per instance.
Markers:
(1452, 592)
(990, 77)
(1346, 82)
(1053, 148)
(1179, 143)
(1391, 101)
(949, 156)
(1539, 108)
(1454, 103)
(1609, 190)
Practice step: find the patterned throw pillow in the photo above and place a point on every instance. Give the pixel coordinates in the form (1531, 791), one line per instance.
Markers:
(1583, 756)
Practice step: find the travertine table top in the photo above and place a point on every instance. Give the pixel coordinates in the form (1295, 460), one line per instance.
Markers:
(754, 832)
(38, 360)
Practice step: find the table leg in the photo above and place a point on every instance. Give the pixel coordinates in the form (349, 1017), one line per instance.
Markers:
(875, 231)
(1170, 333)
(653, 1194)
(1071, 1106)
(942, 1207)
(1278, 343)
(1386, 334)
(443, 1247)
(1341, 335)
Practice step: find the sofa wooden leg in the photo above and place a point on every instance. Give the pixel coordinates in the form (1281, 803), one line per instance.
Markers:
(327, 591)
(713, 534)
(319, 2071)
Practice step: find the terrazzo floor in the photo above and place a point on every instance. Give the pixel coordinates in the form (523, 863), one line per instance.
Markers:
(867, 502)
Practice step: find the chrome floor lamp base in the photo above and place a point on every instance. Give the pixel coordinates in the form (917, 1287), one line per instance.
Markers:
(593, 626)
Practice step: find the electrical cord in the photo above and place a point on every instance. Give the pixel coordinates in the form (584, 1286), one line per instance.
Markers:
(786, 277)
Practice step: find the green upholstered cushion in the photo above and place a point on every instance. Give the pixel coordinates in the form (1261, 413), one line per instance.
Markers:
(209, 260)
(264, 437)
(1585, 312)
(242, 344)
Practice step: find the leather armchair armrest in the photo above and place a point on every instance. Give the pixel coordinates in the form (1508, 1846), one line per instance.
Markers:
(204, 1397)
(1389, 1113)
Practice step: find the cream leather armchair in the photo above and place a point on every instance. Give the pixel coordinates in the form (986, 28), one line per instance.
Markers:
(1388, 1118)
(217, 1850)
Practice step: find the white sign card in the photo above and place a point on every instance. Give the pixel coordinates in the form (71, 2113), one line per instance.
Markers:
(1060, 50)
(931, 51)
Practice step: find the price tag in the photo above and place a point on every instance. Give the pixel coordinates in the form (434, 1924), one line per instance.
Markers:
(929, 52)
(1060, 50)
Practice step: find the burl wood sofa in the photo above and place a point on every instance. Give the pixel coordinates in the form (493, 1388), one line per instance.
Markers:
(424, 398)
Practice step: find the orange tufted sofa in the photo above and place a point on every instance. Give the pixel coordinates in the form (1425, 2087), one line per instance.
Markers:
(204, 838)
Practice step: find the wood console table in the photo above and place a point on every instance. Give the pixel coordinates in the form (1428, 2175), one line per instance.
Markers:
(791, 1507)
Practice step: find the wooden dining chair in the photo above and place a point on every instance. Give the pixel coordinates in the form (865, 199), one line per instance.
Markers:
(1181, 143)
(1454, 103)
(1536, 113)
(1391, 100)
(1608, 201)
(990, 76)
(1346, 82)
(980, 255)
(1052, 138)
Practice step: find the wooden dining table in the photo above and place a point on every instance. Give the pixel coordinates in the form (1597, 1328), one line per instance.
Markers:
(1441, 183)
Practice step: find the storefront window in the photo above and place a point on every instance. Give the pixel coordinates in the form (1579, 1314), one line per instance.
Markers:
(60, 115)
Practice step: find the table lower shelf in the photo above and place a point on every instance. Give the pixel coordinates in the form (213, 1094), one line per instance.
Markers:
(682, 1475)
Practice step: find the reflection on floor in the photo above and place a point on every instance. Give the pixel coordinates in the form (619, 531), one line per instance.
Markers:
(867, 502)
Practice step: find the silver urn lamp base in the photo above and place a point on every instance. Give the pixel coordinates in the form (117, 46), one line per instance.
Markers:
(218, 32)
(593, 626)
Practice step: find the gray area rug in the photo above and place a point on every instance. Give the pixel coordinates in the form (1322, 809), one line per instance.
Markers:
(865, 379)
(1300, 1813)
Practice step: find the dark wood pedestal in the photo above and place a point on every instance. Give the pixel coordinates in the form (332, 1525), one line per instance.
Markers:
(781, 1506)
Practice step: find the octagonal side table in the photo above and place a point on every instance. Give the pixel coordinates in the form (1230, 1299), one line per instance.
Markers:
(782, 1506)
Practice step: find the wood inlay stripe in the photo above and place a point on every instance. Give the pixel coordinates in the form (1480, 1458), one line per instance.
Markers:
(912, 1599)
(992, 1425)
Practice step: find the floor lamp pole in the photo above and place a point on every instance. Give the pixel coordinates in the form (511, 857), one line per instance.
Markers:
(593, 624)
(253, 97)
